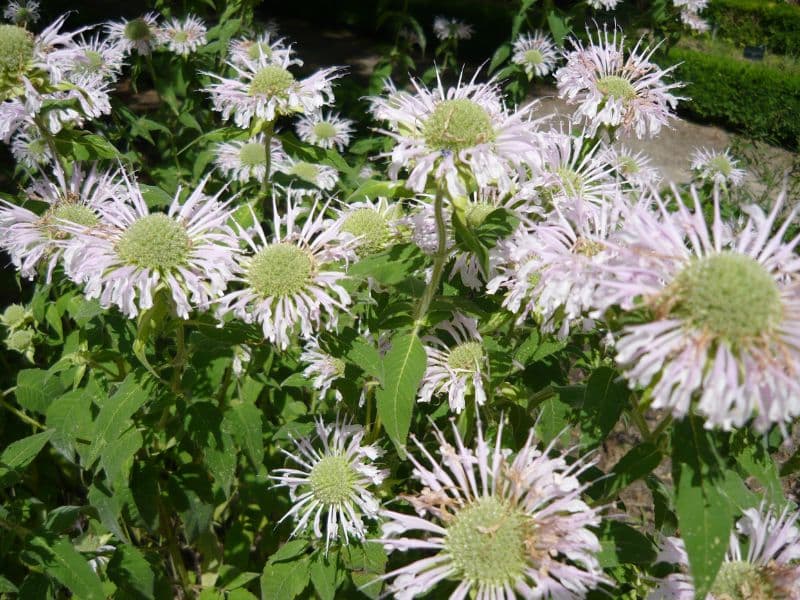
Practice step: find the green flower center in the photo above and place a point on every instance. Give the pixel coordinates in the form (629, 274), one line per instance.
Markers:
(534, 57)
(617, 87)
(456, 125)
(180, 36)
(272, 81)
(280, 270)
(306, 171)
(739, 580)
(324, 130)
(338, 366)
(14, 316)
(721, 164)
(16, 50)
(253, 154)
(138, 30)
(74, 212)
(91, 61)
(478, 211)
(486, 540)
(572, 181)
(628, 166)
(155, 242)
(371, 227)
(588, 248)
(259, 49)
(332, 480)
(20, 340)
(730, 295)
(466, 357)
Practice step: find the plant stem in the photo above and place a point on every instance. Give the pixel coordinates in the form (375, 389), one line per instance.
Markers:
(266, 187)
(48, 137)
(438, 262)
(174, 550)
(29, 420)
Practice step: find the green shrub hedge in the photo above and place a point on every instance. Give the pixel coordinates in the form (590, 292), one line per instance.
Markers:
(758, 99)
(756, 23)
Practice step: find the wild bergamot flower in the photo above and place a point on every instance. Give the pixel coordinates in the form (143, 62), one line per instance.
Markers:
(535, 53)
(462, 137)
(325, 130)
(724, 313)
(372, 222)
(447, 28)
(718, 167)
(246, 160)
(22, 12)
(330, 486)
(321, 176)
(497, 524)
(457, 363)
(73, 202)
(631, 168)
(761, 562)
(262, 50)
(182, 36)
(140, 34)
(292, 277)
(323, 368)
(188, 252)
(269, 90)
(613, 91)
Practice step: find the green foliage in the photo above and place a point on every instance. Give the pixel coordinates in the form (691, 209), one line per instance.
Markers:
(755, 98)
(757, 23)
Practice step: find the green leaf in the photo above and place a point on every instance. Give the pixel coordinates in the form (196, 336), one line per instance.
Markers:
(366, 563)
(367, 358)
(404, 366)
(21, 453)
(285, 580)
(66, 565)
(6, 587)
(553, 419)
(638, 462)
(756, 461)
(132, 574)
(243, 421)
(36, 389)
(325, 575)
(154, 196)
(704, 512)
(604, 399)
(500, 56)
(117, 457)
(622, 544)
(115, 414)
(536, 348)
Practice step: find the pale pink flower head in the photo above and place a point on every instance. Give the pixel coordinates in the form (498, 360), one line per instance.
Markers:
(761, 562)
(631, 168)
(291, 278)
(22, 12)
(373, 223)
(182, 36)
(457, 363)
(459, 137)
(244, 160)
(331, 482)
(498, 524)
(720, 168)
(572, 170)
(325, 130)
(187, 253)
(535, 53)
(612, 91)
(140, 34)
(322, 368)
(723, 333)
(263, 49)
(447, 28)
(73, 201)
(320, 176)
(603, 4)
(267, 90)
